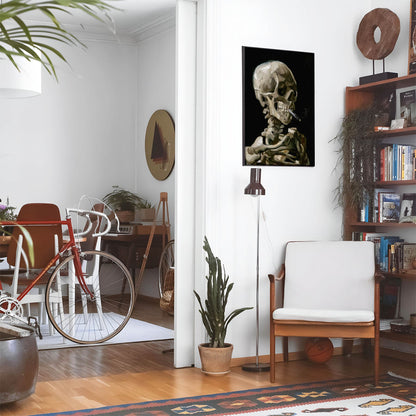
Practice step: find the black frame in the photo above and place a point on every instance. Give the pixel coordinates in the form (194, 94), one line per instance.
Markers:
(302, 65)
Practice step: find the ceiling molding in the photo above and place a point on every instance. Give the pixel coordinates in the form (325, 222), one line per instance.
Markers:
(133, 35)
(154, 28)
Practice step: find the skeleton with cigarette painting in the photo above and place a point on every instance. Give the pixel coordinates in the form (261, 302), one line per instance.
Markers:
(276, 89)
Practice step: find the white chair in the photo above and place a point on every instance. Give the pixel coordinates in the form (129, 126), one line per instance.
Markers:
(330, 289)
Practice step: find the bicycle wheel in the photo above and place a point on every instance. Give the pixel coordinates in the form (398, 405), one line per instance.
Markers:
(167, 261)
(84, 319)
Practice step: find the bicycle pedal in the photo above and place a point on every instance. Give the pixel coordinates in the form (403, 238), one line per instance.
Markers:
(35, 325)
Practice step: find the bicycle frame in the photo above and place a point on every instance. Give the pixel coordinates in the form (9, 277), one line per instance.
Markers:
(70, 245)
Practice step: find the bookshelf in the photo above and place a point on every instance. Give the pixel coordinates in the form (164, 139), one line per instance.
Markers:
(361, 97)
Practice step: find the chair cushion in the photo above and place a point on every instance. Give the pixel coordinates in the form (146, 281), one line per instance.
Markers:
(339, 273)
(323, 315)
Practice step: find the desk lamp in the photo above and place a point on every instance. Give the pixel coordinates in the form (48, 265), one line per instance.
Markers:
(256, 189)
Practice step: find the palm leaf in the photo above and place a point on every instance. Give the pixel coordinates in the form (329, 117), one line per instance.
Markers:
(28, 40)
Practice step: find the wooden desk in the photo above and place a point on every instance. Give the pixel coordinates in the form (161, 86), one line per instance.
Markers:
(130, 248)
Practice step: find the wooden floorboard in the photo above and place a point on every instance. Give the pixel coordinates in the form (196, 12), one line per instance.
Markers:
(89, 377)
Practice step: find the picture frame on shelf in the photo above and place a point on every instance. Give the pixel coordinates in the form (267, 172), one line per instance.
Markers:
(408, 208)
(398, 123)
(278, 111)
(406, 105)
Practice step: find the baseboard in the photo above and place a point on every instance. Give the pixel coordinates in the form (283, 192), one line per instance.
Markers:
(293, 356)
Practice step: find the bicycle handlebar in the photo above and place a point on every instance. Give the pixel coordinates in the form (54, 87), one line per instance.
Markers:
(87, 214)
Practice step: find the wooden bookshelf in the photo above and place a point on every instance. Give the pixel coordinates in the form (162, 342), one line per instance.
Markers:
(361, 97)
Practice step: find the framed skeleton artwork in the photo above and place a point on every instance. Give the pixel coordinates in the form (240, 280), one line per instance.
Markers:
(278, 107)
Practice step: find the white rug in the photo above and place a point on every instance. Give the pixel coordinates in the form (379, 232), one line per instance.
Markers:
(134, 331)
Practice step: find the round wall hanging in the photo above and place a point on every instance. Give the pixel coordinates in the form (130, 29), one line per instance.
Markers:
(160, 144)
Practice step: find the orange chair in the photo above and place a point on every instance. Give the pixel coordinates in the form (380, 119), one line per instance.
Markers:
(46, 241)
(330, 290)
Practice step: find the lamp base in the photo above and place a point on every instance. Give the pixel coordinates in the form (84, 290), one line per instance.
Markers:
(254, 367)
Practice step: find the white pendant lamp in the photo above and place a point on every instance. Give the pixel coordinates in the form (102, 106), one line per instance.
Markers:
(22, 83)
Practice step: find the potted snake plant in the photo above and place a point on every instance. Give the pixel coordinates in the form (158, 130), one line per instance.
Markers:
(216, 354)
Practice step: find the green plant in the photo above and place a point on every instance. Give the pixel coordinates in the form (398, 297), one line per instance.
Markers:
(32, 41)
(123, 200)
(218, 289)
(7, 212)
(357, 155)
(144, 204)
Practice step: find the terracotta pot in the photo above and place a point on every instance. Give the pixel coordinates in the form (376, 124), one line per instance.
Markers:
(215, 361)
(145, 214)
(125, 216)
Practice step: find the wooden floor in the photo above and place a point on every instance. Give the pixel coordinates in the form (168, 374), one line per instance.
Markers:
(88, 377)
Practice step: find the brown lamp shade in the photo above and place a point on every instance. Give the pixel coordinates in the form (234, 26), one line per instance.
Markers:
(255, 187)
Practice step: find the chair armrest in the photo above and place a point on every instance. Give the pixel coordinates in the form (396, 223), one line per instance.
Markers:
(280, 275)
(378, 277)
(272, 278)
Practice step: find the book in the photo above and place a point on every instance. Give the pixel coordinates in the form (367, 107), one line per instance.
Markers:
(396, 162)
(389, 207)
(384, 251)
(408, 208)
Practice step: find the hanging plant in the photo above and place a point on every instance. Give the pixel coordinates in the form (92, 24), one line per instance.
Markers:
(358, 157)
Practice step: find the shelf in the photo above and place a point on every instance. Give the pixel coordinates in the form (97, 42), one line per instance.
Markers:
(396, 336)
(399, 82)
(363, 96)
(394, 133)
(403, 275)
(395, 183)
(383, 224)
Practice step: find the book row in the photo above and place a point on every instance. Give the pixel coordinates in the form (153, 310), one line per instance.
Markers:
(392, 253)
(389, 206)
(397, 162)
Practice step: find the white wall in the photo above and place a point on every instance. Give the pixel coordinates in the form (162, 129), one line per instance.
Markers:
(92, 121)
(78, 136)
(299, 201)
(155, 91)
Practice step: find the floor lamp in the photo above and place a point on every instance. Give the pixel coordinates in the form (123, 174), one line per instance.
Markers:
(256, 189)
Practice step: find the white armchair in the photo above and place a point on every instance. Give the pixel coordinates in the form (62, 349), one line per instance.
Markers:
(330, 289)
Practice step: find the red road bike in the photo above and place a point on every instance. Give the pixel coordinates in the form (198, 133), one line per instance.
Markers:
(89, 295)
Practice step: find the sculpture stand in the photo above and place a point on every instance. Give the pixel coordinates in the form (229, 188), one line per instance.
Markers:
(378, 77)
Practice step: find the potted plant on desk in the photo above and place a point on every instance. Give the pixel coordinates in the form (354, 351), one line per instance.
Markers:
(216, 355)
(6, 214)
(124, 203)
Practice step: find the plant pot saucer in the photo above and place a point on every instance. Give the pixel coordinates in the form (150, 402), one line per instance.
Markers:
(215, 373)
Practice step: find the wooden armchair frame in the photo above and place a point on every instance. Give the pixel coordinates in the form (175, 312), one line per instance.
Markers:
(300, 328)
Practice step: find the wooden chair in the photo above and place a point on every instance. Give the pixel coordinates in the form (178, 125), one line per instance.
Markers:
(46, 241)
(330, 289)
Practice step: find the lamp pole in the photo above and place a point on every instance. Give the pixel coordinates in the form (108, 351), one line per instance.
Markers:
(256, 189)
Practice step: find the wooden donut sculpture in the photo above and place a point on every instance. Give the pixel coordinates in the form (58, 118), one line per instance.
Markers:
(389, 25)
